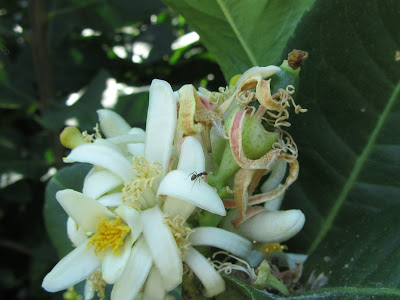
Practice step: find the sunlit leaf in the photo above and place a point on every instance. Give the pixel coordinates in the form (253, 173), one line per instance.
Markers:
(243, 34)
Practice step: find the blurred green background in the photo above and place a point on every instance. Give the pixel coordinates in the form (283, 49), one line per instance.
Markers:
(60, 60)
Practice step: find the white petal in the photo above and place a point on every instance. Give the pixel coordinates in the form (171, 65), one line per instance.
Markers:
(72, 269)
(88, 292)
(112, 124)
(191, 160)
(154, 288)
(127, 139)
(135, 273)
(276, 176)
(163, 247)
(263, 71)
(113, 265)
(275, 204)
(111, 200)
(272, 226)
(222, 239)
(192, 156)
(295, 259)
(131, 217)
(179, 185)
(138, 131)
(84, 210)
(136, 149)
(97, 183)
(75, 233)
(160, 125)
(176, 207)
(211, 279)
(102, 156)
(106, 143)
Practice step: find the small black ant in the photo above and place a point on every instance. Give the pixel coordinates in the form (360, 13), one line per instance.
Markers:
(196, 175)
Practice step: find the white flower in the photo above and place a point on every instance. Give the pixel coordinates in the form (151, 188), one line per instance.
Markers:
(137, 189)
(108, 246)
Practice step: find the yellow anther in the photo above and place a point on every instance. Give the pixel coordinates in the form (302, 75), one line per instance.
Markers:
(273, 247)
(109, 234)
(145, 173)
(181, 233)
(98, 284)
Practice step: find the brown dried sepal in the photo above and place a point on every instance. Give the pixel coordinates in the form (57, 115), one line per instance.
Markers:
(242, 181)
(275, 193)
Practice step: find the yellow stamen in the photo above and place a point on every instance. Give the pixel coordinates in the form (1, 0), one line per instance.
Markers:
(145, 173)
(89, 138)
(273, 247)
(109, 234)
(98, 284)
(181, 233)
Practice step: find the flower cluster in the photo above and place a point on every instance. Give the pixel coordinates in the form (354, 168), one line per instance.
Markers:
(189, 180)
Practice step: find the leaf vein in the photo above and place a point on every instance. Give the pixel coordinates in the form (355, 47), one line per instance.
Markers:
(237, 33)
(359, 163)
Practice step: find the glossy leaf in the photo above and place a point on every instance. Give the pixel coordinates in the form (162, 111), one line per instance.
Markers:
(242, 34)
(349, 142)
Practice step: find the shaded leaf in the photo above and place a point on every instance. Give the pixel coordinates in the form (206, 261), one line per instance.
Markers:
(242, 34)
(349, 145)
(83, 112)
(133, 108)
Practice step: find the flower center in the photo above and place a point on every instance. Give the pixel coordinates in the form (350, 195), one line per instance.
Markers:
(181, 233)
(109, 234)
(145, 174)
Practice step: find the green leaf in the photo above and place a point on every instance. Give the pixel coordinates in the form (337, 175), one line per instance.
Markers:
(363, 259)
(243, 34)
(237, 290)
(349, 142)
(133, 108)
(55, 217)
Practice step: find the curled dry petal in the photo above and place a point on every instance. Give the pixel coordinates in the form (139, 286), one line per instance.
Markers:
(264, 162)
(275, 193)
(243, 179)
(189, 101)
(263, 71)
(256, 72)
